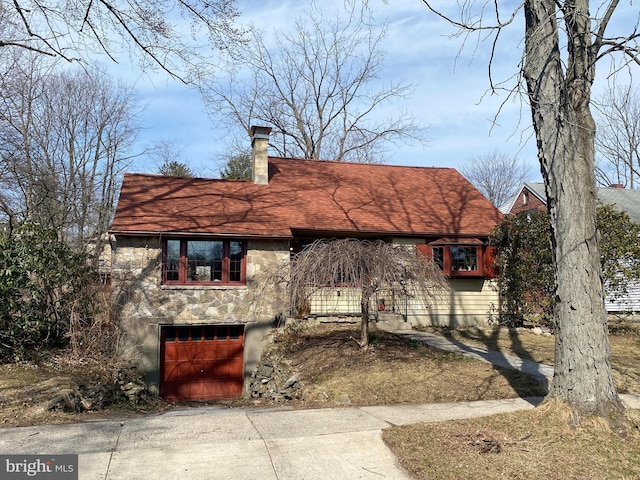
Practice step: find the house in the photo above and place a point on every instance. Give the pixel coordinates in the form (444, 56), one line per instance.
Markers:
(532, 197)
(186, 253)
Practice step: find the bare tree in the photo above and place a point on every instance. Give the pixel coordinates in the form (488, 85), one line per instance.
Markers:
(168, 155)
(618, 137)
(563, 41)
(315, 87)
(64, 138)
(497, 175)
(156, 32)
(368, 266)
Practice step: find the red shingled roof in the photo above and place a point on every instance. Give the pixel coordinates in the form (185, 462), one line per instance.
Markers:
(308, 196)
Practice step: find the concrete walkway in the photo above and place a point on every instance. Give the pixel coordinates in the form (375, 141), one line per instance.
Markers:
(266, 444)
(241, 444)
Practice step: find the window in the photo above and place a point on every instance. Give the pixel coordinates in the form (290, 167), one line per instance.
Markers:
(464, 259)
(459, 260)
(217, 262)
(438, 256)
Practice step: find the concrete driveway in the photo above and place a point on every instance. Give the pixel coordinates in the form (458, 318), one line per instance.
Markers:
(242, 444)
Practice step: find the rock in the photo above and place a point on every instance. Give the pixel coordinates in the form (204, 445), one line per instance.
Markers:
(290, 382)
(67, 400)
(132, 385)
(322, 397)
(343, 399)
(272, 380)
(536, 331)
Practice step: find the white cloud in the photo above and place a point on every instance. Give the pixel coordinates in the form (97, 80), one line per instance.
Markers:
(450, 87)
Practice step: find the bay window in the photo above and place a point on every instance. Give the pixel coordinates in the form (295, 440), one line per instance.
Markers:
(217, 262)
(460, 258)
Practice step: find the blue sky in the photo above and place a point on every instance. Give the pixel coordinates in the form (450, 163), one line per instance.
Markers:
(451, 90)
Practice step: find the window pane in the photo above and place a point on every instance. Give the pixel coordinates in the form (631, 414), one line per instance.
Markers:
(170, 334)
(221, 333)
(438, 257)
(173, 260)
(196, 334)
(235, 261)
(209, 332)
(204, 260)
(183, 334)
(464, 258)
(235, 332)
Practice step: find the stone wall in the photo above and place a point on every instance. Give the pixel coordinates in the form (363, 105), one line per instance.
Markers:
(145, 304)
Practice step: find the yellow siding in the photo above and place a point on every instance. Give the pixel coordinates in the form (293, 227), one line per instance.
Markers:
(469, 302)
(332, 301)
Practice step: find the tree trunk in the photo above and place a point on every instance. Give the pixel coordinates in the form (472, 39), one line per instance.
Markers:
(364, 323)
(565, 132)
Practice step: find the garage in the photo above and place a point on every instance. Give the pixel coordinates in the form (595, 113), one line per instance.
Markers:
(201, 362)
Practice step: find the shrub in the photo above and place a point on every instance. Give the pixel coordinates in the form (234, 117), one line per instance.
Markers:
(43, 284)
(527, 281)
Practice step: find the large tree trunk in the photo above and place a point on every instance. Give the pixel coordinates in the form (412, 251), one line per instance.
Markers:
(565, 133)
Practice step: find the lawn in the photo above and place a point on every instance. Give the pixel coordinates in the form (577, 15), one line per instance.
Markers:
(526, 445)
(533, 444)
(624, 338)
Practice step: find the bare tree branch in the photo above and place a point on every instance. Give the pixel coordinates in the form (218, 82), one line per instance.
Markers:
(496, 175)
(153, 31)
(64, 138)
(314, 88)
(368, 267)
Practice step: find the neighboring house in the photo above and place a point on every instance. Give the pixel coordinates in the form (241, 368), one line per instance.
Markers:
(532, 197)
(186, 253)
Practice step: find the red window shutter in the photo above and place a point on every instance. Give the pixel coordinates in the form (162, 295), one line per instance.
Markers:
(424, 249)
(490, 267)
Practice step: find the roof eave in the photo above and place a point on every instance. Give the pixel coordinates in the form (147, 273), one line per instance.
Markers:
(298, 231)
(165, 233)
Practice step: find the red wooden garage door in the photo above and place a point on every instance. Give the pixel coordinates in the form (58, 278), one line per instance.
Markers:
(201, 362)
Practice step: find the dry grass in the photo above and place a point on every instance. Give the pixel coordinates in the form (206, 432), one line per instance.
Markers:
(394, 370)
(531, 444)
(26, 390)
(624, 338)
(534, 444)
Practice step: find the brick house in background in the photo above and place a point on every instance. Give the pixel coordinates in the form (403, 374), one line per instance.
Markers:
(530, 197)
(186, 252)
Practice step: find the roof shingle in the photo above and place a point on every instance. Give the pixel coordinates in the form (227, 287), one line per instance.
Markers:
(311, 196)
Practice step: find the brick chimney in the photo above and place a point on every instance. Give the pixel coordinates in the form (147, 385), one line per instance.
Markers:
(616, 185)
(259, 148)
